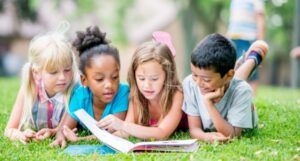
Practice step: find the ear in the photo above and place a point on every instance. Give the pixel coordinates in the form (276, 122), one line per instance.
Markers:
(229, 75)
(36, 74)
(83, 80)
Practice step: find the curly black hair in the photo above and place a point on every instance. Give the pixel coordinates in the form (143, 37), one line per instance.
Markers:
(91, 43)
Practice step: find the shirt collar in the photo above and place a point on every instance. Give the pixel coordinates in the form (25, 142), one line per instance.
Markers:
(43, 97)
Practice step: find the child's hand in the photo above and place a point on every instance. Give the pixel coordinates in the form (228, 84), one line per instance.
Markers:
(70, 134)
(24, 136)
(215, 136)
(215, 96)
(111, 123)
(45, 133)
(60, 140)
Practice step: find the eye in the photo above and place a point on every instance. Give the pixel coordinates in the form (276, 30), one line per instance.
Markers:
(154, 79)
(115, 77)
(68, 70)
(206, 80)
(141, 78)
(53, 72)
(99, 79)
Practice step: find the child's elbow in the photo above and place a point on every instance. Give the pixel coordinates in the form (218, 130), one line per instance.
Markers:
(160, 135)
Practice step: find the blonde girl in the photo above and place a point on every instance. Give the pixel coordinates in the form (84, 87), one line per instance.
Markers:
(47, 83)
(155, 95)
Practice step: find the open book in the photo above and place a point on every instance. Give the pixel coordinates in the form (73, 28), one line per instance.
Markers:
(125, 146)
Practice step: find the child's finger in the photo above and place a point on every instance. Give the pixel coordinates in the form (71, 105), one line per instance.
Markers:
(23, 139)
(103, 123)
(41, 132)
(54, 144)
(74, 130)
(63, 144)
(29, 133)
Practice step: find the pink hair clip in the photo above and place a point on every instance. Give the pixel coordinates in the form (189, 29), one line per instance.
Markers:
(164, 37)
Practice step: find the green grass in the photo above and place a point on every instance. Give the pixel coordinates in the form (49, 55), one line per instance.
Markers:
(276, 138)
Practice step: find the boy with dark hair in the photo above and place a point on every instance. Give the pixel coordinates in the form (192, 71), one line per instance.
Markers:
(217, 99)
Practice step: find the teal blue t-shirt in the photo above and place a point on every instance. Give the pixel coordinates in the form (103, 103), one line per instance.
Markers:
(82, 98)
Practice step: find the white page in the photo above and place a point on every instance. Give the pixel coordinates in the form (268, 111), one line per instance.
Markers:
(112, 141)
(190, 145)
(169, 142)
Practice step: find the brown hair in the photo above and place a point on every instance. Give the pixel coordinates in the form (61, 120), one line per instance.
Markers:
(153, 51)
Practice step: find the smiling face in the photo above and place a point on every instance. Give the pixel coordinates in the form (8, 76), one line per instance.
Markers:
(208, 80)
(102, 77)
(150, 78)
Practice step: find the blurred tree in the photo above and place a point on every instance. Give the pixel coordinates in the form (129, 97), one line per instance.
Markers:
(195, 13)
(200, 18)
(27, 10)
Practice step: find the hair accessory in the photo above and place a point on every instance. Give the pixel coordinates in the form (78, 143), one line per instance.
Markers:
(164, 37)
(63, 27)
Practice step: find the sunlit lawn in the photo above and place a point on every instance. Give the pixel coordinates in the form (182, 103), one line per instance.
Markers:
(276, 138)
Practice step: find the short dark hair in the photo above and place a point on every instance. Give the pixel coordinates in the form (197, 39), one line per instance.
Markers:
(214, 52)
(91, 43)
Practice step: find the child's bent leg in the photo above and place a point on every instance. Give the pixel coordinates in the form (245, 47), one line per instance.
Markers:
(252, 58)
(244, 71)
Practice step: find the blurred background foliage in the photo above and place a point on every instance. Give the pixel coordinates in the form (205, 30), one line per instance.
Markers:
(198, 18)
(279, 17)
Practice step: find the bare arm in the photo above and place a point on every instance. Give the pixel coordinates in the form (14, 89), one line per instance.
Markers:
(164, 129)
(219, 122)
(195, 126)
(11, 130)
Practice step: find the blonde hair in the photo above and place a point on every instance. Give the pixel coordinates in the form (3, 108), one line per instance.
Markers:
(153, 51)
(46, 52)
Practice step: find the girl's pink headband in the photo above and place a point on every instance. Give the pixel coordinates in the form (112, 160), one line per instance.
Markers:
(164, 37)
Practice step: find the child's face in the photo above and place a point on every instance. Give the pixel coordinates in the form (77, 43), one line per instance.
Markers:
(102, 77)
(208, 80)
(58, 80)
(150, 79)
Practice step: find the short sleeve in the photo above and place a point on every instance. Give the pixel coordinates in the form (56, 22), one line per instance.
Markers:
(240, 114)
(76, 102)
(189, 103)
(121, 101)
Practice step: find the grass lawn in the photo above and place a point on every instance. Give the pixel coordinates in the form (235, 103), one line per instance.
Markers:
(276, 138)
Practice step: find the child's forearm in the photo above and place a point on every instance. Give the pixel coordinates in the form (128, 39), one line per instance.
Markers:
(122, 134)
(198, 133)
(219, 122)
(143, 132)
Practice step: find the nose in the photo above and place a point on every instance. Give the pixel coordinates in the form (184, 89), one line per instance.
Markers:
(62, 76)
(147, 84)
(108, 84)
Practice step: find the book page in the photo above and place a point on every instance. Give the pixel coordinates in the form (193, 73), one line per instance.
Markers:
(169, 142)
(168, 146)
(105, 137)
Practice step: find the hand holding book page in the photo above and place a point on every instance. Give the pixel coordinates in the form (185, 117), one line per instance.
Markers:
(125, 146)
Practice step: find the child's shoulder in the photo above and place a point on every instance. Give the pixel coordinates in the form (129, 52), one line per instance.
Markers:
(123, 87)
(188, 84)
(81, 91)
(240, 86)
